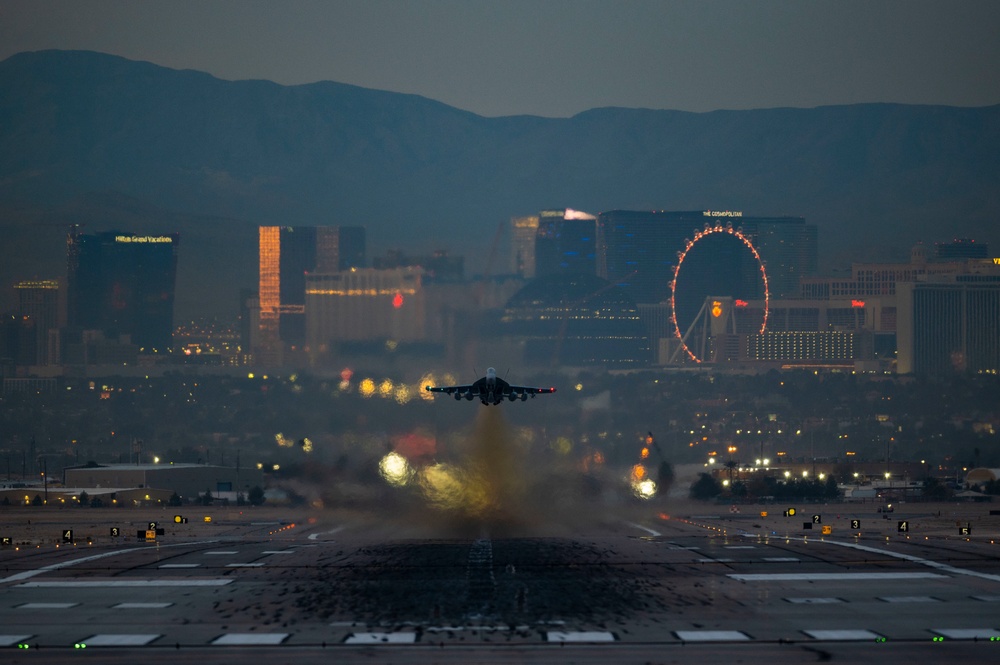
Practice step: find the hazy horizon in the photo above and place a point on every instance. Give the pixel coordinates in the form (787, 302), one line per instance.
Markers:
(555, 59)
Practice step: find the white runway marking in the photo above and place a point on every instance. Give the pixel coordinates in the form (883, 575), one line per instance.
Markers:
(908, 599)
(221, 552)
(140, 606)
(987, 599)
(28, 574)
(915, 559)
(711, 635)
(651, 532)
(843, 635)
(278, 552)
(967, 633)
(108, 584)
(120, 640)
(814, 601)
(580, 636)
(830, 577)
(244, 565)
(381, 638)
(46, 606)
(781, 559)
(180, 565)
(235, 639)
(740, 547)
(315, 536)
(11, 640)
(708, 560)
(456, 629)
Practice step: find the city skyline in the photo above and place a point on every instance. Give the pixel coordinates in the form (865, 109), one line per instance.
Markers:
(158, 150)
(318, 303)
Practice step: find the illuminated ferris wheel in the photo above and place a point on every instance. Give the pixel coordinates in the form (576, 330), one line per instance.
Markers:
(717, 312)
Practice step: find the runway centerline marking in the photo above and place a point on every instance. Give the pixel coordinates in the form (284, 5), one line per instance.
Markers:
(141, 606)
(580, 636)
(843, 635)
(967, 633)
(233, 639)
(120, 639)
(107, 584)
(11, 640)
(830, 577)
(381, 638)
(711, 635)
(46, 606)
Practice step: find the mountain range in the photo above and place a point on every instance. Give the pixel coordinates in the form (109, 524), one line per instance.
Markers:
(113, 143)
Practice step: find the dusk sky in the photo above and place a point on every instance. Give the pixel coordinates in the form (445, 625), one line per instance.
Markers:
(555, 58)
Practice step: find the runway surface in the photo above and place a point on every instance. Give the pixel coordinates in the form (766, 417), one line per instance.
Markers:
(710, 587)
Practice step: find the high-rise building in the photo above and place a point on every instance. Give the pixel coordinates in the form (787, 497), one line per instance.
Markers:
(789, 249)
(639, 249)
(566, 243)
(949, 324)
(961, 248)
(122, 285)
(287, 255)
(38, 300)
(340, 248)
(524, 232)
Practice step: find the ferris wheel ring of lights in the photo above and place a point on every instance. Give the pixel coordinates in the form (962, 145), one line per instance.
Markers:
(709, 230)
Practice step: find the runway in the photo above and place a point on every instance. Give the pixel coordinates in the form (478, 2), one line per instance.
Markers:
(645, 589)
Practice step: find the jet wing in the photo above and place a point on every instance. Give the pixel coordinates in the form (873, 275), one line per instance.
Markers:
(448, 390)
(528, 390)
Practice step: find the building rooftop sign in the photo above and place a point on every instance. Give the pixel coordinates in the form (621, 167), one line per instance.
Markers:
(143, 239)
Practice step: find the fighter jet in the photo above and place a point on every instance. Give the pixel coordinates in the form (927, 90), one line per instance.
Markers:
(490, 390)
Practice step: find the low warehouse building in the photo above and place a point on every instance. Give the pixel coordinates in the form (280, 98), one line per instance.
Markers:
(188, 480)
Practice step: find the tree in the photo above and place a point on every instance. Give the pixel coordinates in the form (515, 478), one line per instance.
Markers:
(705, 488)
(174, 500)
(256, 495)
(207, 498)
(665, 477)
(84, 499)
(935, 490)
(731, 467)
(37, 501)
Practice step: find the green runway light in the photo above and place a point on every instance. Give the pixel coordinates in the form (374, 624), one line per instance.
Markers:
(79, 645)
(22, 645)
(939, 639)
